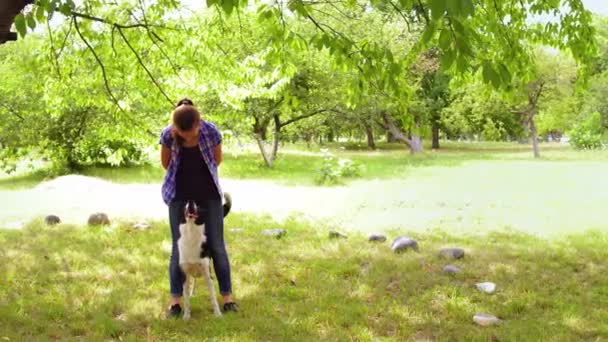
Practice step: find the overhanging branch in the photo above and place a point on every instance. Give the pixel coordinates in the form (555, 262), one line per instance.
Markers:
(103, 69)
(139, 60)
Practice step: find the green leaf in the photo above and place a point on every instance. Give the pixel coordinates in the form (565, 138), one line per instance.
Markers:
(40, 12)
(504, 73)
(454, 7)
(20, 24)
(467, 8)
(210, 3)
(445, 38)
(228, 6)
(447, 59)
(490, 75)
(65, 9)
(438, 7)
(428, 32)
(31, 22)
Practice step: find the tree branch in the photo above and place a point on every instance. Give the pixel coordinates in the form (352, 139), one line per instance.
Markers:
(122, 26)
(303, 116)
(139, 60)
(103, 69)
(12, 111)
(52, 48)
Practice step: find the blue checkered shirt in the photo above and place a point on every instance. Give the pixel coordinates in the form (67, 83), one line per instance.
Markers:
(209, 137)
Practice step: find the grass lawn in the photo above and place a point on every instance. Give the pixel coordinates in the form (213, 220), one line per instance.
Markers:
(298, 165)
(110, 283)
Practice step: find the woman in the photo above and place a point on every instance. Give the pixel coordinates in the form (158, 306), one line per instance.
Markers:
(191, 151)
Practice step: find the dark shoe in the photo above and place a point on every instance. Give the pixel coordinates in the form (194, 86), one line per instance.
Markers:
(232, 306)
(174, 311)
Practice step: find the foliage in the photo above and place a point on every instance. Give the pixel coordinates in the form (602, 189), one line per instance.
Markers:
(333, 169)
(324, 69)
(587, 134)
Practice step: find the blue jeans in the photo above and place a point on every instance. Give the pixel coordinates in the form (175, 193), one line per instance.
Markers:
(213, 214)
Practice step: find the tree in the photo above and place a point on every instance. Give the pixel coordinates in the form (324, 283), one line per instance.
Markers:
(553, 79)
(493, 36)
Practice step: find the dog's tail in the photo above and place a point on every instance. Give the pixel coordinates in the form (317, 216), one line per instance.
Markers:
(227, 203)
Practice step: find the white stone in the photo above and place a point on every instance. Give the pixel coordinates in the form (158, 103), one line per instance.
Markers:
(484, 319)
(487, 287)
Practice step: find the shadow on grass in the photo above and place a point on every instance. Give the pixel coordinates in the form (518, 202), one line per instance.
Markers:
(69, 282)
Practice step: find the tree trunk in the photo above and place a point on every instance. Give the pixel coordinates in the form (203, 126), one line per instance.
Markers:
(369, 131)
(275, 137)
(534, 136)
(435, 129)
(260, 127)
(267, 159)
(414, 144)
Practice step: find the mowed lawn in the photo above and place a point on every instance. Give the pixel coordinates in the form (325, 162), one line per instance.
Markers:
(73, 282)
(110, 283)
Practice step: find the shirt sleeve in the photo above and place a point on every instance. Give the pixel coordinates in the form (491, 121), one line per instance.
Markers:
(215, 135)
(165, 137)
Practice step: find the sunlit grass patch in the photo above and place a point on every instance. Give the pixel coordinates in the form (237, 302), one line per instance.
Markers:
(99, 283)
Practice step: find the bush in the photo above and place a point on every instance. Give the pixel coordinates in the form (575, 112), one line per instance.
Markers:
(333, 169)
(587, 134)
(109, 152)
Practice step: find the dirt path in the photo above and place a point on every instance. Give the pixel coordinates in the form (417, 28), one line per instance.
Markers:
(542, 198)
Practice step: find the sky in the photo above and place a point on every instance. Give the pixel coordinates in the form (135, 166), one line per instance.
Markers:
(595, 6)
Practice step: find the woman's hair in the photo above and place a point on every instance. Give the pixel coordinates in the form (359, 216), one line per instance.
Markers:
(184, 101)
(185, 117)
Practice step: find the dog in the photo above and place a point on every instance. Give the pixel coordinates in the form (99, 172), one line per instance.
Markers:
(194, 254)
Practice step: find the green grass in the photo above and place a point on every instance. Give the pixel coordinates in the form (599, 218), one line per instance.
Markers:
(299, 165)
(102, 283)
(22, 181)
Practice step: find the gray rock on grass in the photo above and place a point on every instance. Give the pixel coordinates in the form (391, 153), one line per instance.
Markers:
(451, 269)
(277, 233)
(141, 226)
(98, 219)
(52, 220)
(402, 244)
(485, 319)
(376, 237)
(334, 234)
(452, 253)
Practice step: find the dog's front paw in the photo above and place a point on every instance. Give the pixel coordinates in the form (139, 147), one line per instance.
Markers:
(217, 313)
(186, 315)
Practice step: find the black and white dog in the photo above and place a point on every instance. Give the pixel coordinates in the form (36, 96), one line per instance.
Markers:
(193, 252)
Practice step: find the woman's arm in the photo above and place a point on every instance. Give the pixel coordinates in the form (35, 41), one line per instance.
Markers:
(217, 154)
(165, 156)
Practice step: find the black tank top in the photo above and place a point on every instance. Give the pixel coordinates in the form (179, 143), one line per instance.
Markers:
(193, 180)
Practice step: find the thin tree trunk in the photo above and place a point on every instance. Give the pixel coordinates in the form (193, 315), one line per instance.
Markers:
(435, 129)
(369, 131)
(275, 137)
(267, 159)
(260, 126)
(534, 136)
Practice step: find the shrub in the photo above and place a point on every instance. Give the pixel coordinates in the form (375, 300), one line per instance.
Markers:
(587, 134)
(333, 169)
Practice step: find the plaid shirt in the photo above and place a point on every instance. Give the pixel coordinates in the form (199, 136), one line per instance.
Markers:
(209, 137)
